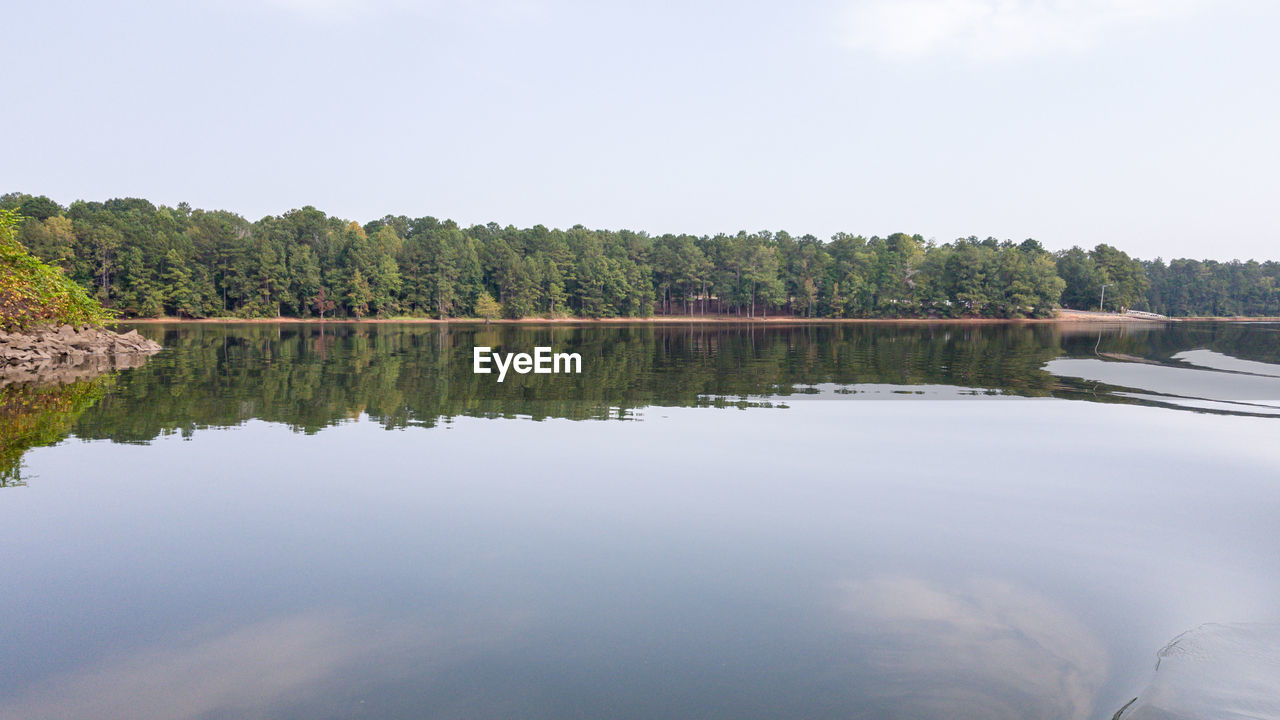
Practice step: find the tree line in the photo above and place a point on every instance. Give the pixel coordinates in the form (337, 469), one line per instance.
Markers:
(145, 260)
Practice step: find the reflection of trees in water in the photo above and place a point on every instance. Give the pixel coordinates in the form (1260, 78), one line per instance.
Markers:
(1246, 341)
(1140, 345)
(309, 377)
(312, 376)
(35, 416)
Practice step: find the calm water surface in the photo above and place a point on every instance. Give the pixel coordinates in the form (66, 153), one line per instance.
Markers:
(295, 521)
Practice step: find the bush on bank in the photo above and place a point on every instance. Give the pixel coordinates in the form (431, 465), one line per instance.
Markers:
(33, 293)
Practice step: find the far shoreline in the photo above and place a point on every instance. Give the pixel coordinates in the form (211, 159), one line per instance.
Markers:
(1066, 317)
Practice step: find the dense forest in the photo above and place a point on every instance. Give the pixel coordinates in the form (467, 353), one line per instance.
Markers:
(145, 260)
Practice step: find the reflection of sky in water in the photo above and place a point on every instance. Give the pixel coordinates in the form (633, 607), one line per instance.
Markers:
(1205, 384)
(1219, 361)
(1258, 409)
(1230, 385)
(683, 566)
(240, 672)
(985, 649)
(1225, 672)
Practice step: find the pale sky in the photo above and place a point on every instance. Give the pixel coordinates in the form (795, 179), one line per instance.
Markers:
(1153, 125)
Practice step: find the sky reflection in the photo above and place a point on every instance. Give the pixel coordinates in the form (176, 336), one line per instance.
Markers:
(982, 649)
(241, 672)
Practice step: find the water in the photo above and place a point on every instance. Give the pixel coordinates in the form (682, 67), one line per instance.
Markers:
(916, 521)
(1219, 671)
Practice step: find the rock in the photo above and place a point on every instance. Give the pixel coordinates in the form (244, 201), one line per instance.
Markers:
(45, 350)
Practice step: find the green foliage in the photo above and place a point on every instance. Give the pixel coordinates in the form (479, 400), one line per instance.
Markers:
(33, 293)
(1085, 275)
(359, 294)
(141, 259)
(487, 307)
(1212, 288)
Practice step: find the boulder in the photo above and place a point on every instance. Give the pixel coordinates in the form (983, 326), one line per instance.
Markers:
(40, 350)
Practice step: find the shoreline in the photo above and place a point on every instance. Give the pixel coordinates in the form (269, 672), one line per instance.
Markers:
(1070, 318)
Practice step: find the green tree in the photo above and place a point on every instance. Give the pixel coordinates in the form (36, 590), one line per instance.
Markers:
(487, 307)
(180, 292)
(1125, 278)
(359, 295)
(1083, 279)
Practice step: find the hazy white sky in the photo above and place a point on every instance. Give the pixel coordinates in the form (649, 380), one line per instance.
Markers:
(1149, 124)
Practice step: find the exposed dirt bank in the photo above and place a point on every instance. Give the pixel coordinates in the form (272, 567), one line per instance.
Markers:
(1066, 316)
(1095, 316)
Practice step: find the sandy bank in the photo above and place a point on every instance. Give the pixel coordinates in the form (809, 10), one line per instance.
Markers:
(1066, 316)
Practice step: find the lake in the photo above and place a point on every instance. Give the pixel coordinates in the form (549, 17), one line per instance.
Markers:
(710, 521)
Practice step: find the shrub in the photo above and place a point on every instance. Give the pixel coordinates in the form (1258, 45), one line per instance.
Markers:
(33, 293)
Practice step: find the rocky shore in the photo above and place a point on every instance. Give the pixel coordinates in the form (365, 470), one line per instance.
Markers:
(69, 351)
